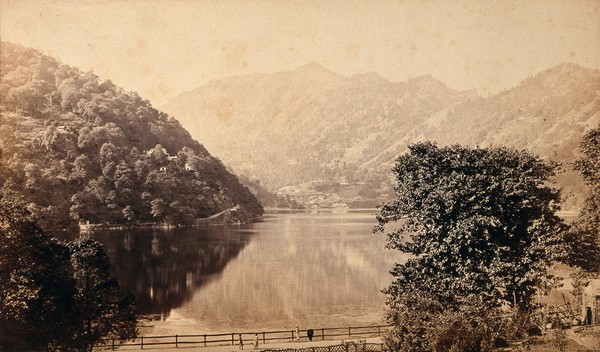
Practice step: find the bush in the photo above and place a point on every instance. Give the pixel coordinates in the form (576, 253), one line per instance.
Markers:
(426, 325)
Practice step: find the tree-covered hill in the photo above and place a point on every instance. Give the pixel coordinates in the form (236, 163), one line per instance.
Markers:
(82, 149)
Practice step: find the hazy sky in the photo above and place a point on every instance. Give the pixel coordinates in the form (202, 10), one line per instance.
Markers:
(160, 48)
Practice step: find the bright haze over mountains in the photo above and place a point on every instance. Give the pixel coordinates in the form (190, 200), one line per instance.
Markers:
(311, 124)
(161, 48)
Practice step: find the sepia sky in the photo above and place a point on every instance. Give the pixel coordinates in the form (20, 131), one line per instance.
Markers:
(160, 48)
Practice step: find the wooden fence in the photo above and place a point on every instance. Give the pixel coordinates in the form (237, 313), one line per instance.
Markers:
(205, 340)
(563, 312)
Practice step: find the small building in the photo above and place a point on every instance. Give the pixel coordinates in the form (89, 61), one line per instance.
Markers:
(591, 303)
(150, 151)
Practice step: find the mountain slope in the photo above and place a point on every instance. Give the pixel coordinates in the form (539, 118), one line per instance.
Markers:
(311, 124)
(80, 149)
(307, 124)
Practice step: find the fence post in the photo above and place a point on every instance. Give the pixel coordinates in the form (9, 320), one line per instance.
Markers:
(204, 340)
(379, 330)
(322, 334)
(292, 335)
(264, 341)
(232, 339)
(176, 342)
(113, 344)
(142, 343)
(349, 332)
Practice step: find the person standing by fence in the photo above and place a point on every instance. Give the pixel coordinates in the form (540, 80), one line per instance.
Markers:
(297, 334)
(255, 341)
(241, 342)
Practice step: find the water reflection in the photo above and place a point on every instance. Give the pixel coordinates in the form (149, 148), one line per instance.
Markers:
(312, 270)
(300, 269)
(163, 268)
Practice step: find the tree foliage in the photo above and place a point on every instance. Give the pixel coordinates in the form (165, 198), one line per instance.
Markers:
(53, 295)
(584, 236)
(37, 308)
(105, 311)
(480, 225)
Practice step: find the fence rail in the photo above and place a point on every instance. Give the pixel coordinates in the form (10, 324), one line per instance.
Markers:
(205, 340)
(561, 314)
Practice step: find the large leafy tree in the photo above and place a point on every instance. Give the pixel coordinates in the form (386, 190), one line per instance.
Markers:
(480, 226)
(37, 306)
(585, 233)
(105, 311)
(55, 296)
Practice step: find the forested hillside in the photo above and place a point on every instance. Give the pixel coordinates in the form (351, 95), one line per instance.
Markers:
(82, 149)
(312, 133)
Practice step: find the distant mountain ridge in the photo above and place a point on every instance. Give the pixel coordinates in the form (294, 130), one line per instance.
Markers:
(298, 106)
(81, 149)
(311, 125)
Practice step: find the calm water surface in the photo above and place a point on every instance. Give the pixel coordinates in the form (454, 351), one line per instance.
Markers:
(307, 269)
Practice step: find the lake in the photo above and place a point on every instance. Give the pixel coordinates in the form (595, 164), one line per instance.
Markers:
(314, 270)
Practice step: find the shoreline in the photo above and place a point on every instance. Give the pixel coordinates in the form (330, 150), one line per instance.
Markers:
(224, 217)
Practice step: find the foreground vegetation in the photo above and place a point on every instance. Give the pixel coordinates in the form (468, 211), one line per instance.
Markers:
(482, 229)
(55, 295)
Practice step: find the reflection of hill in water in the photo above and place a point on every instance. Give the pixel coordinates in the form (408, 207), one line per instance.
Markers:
(163, 268)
